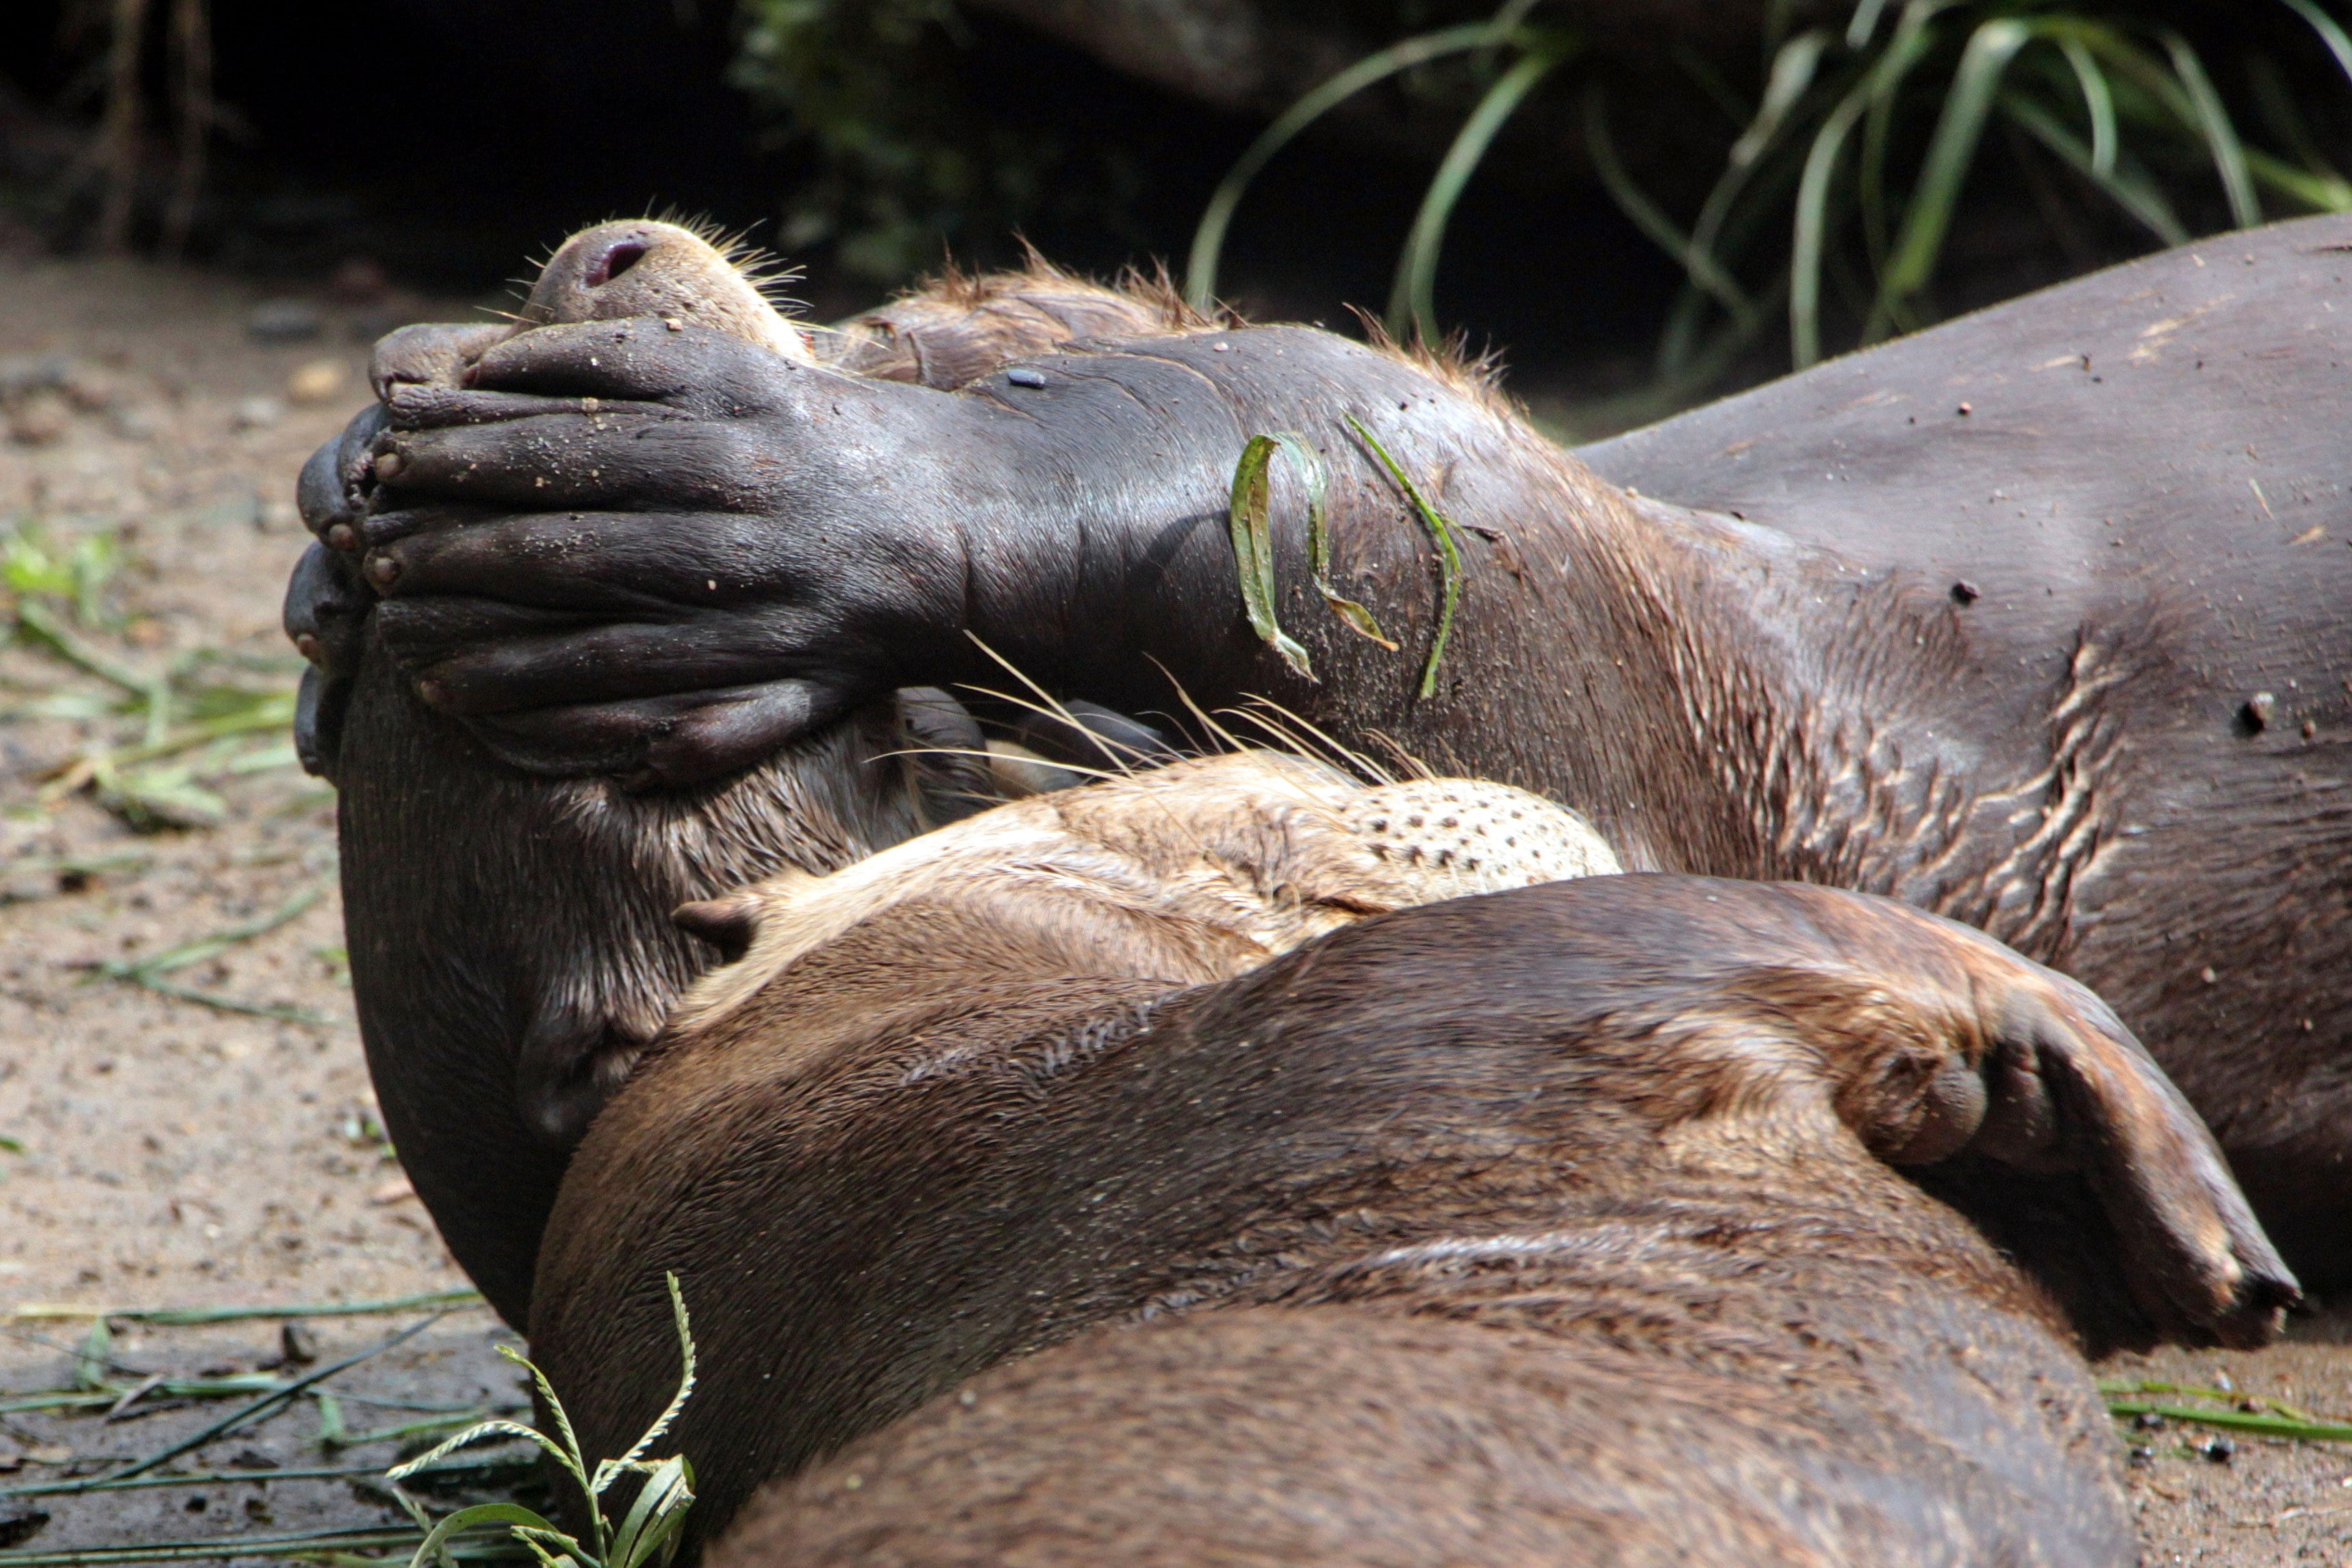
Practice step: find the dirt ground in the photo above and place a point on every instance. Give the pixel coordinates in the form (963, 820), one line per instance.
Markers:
(179, 1153)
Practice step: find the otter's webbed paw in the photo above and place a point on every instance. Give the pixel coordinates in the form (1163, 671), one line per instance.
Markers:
(2046, 1120)
(616, 548)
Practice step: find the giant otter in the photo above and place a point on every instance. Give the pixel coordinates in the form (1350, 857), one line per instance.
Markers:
(1575, 1207)
(2121, 747)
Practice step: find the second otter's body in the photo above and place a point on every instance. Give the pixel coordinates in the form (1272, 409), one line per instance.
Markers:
(1562, 1209)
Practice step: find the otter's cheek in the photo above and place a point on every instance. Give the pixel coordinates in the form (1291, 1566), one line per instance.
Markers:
(1951, 1111)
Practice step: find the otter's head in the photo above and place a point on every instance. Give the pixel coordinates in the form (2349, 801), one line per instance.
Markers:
(644, 266)
(1193, 872)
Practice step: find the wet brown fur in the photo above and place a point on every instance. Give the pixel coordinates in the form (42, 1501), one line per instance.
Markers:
(961, 326)
(1452, 1237)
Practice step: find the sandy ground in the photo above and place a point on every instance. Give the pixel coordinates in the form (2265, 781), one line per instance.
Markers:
(172, 1153)
(177, 1153)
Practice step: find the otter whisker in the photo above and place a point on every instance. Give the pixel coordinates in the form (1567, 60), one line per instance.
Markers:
(991, 756)
(1305, 736)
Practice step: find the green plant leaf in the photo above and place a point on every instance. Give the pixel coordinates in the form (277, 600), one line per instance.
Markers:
(2128, 189)
(151, 798)
(1927, 216)
(1661, 230)
(1793, 67)
(1253, 539)
(2261, 1423)
(2330, 32)
(1862, 24)
(436, 1539)
(655, 1516)
(1813, 223)
(1318, 479)
(2220, 136)
(2098, 103)
(95, 1356)
(669, 1415)
(1412, 299)
(1809, 236)
(1449, 554)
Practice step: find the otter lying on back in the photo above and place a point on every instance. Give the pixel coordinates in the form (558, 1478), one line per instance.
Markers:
(1148, 1174)
(511, 940)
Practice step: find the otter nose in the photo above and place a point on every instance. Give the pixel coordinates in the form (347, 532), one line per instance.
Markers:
(613, 261)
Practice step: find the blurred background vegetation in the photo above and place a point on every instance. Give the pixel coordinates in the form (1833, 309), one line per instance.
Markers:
(1641, 201)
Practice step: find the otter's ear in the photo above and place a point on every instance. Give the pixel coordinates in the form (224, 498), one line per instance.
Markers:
(728, 923)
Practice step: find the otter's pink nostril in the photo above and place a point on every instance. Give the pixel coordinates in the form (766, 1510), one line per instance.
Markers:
(615, 261)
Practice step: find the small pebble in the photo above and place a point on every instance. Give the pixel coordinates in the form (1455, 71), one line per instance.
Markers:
(1966, 592)
(2148, 1421)
(1967, 409)
(297, 1345)
(2141, 1457)
(21, 374)
(285, 321)
(40, 418)
(315, 381)
(2258, 710)
(256, 412)
(19, 1522)
(2218, 1450)
(1024, 376)
(133, 423)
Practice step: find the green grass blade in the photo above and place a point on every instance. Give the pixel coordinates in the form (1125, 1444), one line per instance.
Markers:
(225, 1478)
(204, 947)
(259, 1407)
(684, 1379)
(1209, 239)
(1927, 216)
(1904, 51)
(1811, 229)
(2220, 136)
(1413, 298)
(1863, 24)
(2098, 103)
(2261, 1423)
(2330, 32)
(2321, 192)
(1793, 67)
(1449, 554)
(1648, 216)
(484, 1513)
(564, 1447)
(92, 1359)
(2275, 99)
(1318, 478)
(2134, 193)
(655, 1516)
(1252, 536)
(318, 1543)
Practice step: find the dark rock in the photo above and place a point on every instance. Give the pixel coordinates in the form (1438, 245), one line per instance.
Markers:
(19, 1522)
